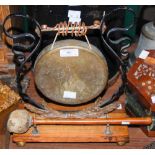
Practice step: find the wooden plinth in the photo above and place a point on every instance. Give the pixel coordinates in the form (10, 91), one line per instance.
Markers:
(75, 133)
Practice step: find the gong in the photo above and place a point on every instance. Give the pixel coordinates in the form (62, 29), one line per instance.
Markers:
(71, 72)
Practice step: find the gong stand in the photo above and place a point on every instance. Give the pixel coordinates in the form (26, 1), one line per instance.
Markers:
(19, 48)
(70, 132)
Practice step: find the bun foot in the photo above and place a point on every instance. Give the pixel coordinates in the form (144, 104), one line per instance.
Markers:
(121, 143)
(20, 144)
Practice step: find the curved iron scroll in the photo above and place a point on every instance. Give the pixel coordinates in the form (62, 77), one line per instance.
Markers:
(122, 61)
(21, 59)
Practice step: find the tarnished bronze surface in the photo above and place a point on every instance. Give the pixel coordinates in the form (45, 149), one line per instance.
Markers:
(85, 75)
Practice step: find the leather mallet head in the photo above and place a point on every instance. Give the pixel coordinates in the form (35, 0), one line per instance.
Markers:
(19, 121)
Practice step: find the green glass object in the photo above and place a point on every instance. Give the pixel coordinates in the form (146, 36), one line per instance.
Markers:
(129, 19)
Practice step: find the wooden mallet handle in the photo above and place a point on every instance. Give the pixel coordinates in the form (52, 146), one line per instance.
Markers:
(91, 121)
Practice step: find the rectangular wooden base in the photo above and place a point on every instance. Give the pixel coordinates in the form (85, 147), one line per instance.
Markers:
(74, 133)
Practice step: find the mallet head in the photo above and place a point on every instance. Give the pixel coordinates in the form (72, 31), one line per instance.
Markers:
(19, 121)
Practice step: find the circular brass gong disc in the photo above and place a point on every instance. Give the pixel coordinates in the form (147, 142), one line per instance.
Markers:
(71, 78)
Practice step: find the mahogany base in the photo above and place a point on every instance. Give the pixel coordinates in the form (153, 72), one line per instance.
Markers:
(75, 133)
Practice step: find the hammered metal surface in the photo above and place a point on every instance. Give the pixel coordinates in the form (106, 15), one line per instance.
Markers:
(86, 74)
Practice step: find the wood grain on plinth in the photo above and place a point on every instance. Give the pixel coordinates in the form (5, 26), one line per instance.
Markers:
(74, 133)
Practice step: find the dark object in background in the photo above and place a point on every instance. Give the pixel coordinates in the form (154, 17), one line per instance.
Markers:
(150, 146)
(52, 15)
(146, 15)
